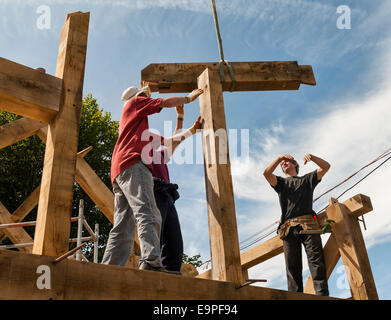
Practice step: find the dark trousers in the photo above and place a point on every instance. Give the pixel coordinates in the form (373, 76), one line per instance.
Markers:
(293, 260)
(171, 241)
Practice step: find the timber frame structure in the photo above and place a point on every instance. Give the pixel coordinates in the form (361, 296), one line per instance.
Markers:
(50, 106)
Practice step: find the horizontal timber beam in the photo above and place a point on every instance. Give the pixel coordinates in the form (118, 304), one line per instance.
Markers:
(28, 92)
(75, 280)
(249, 76)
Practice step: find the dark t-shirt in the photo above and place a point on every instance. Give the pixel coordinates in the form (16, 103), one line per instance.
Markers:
(296, 195)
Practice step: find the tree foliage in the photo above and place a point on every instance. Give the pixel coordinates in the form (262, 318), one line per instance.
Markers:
(194, 260)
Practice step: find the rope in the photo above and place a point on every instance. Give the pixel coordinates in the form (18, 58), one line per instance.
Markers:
(259, 232)
(351, 187)
(384, 154)
(221, 52)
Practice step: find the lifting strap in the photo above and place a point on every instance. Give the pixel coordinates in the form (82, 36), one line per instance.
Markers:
(221, 53)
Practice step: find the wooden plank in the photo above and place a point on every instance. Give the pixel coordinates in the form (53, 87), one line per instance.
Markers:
(249, 76)
(24, 209)
(16, 235)
(76, 280)
(351, 245)
(55, 202)
(358, 205)
(28, 92)
(17, 130)
(331, 257)
(95, 188)
(224, 243)
(262, 252)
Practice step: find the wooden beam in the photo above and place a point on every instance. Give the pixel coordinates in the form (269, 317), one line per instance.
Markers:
(262, 252)
(17, 130)
(16, 235)
(223, 233)
(351, 245)
(94, 187)
(28, 92)
(249, 76)
(23, 210)
(331, 257)
(55, 202)
(74, 280)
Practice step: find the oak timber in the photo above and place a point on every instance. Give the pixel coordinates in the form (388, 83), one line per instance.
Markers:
(351, 245)
(17, 130)
(55, 202)
(74, 280)
(249, 76)
(28, 92)
(223, 233)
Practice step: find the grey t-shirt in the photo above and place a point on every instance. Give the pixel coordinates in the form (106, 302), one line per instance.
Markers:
(296, 195)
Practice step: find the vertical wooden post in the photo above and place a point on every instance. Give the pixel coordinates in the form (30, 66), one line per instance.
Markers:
(351, 245)
(55, 201)
(224, 243)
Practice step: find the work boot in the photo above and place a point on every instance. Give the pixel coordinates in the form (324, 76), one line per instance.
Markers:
(146, 266)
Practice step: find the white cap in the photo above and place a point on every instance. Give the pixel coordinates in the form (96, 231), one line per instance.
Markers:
(129, 93)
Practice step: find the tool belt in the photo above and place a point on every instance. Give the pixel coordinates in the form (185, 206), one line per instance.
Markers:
(307, 222)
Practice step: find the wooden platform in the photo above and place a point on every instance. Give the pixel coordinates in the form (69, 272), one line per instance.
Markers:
(71, 279)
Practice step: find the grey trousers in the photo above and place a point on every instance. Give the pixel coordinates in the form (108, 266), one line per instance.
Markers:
(134, 203)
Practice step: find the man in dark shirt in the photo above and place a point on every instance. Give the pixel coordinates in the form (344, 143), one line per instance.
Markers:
(296, 197)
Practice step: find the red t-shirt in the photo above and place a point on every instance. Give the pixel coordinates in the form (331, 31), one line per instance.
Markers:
(134, 121)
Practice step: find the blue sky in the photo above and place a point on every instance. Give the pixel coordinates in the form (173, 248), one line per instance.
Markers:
(344, 118)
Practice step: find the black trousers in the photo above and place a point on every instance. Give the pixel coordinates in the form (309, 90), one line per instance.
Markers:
(171, 241)
(293, 260)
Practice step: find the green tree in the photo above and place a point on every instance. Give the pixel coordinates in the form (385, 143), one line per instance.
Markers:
(22, 163)
(194, 260)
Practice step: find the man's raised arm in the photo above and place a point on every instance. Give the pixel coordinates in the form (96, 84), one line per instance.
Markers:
(268, 172)
(323, 165)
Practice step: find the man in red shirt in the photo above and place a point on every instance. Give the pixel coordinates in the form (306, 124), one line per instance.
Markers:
(132, 181)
